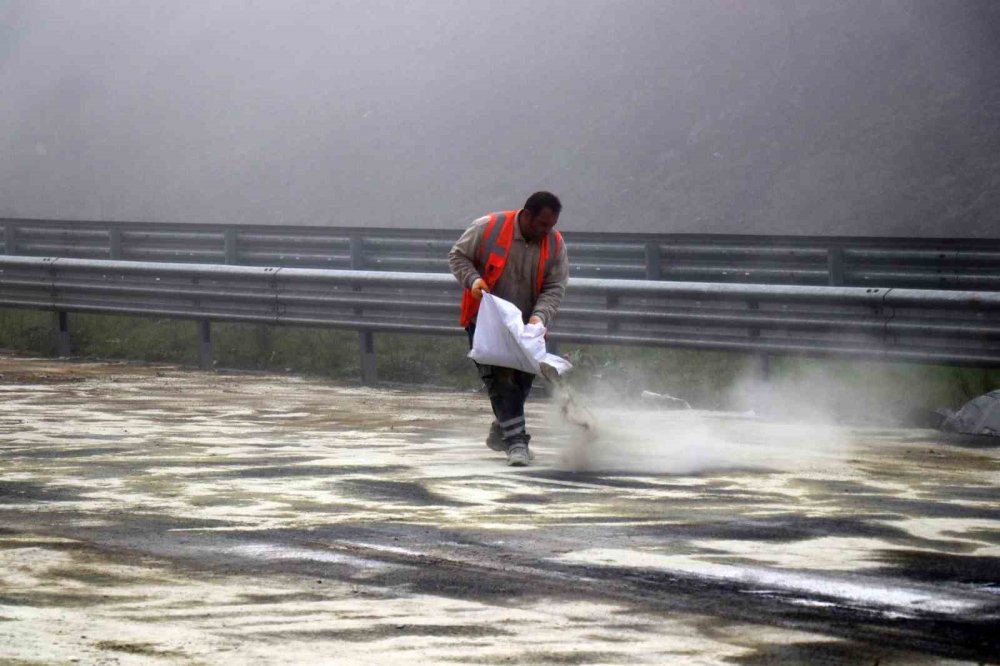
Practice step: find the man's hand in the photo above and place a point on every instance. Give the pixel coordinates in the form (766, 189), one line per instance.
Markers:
(479, 288)
(535, 319)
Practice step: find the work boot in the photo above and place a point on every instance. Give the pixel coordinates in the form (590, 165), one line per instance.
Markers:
(494, 440)
(517, 454)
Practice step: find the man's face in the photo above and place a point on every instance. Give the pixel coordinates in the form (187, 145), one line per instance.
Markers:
(536, 227)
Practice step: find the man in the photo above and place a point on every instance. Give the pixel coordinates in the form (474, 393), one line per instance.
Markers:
(517, 256)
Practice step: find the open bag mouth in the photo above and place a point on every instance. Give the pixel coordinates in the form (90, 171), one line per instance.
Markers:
(503, 339)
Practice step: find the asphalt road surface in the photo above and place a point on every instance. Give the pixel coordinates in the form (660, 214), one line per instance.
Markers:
(151, 515)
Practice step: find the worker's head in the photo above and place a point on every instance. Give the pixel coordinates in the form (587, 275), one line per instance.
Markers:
(539, 215)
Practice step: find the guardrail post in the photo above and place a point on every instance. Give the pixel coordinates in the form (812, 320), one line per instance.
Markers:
(369, 372)
(835, 266)
(762, 361)
(653, 259)
(10, 238)
(229, 245)
(366, 339)
(612, 303)
(60, 329)
(357, 252)
(115, 242)
(205, 344)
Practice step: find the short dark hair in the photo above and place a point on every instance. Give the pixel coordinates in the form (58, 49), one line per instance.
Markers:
(539, 200)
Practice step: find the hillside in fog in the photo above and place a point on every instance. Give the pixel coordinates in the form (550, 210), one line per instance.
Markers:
(849, 118)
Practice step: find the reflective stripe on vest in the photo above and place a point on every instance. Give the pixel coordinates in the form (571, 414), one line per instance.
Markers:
(492, 258)
(496, 245)
(546, 259)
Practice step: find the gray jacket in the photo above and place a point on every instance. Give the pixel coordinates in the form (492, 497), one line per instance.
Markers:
(515, 284)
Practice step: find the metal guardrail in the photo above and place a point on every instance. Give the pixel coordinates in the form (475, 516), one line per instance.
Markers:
(961, 264)
(930, 326)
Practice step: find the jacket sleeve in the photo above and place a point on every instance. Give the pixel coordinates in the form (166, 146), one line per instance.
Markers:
(462, 256)
(553, 287)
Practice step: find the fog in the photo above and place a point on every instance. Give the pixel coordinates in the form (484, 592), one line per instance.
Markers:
(855, 117)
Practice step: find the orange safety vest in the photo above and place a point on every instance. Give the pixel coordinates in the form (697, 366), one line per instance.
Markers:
(495, 246)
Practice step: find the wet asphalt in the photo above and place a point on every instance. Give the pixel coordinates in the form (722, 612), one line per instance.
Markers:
(155, 515)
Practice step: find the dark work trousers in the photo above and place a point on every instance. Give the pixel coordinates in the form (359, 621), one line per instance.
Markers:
(508, 390)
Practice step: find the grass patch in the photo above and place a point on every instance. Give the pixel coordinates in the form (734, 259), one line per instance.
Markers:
(853, 390)
(423, 359)
(413, 359)
(310, 351)
(27, 331)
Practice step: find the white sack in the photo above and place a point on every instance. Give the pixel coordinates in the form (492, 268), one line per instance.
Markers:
(503, 339)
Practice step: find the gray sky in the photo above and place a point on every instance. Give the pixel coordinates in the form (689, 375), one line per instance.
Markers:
(739, 116)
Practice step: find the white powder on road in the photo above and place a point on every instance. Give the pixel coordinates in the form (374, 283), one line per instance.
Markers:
(899, 597)
(640, 439)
